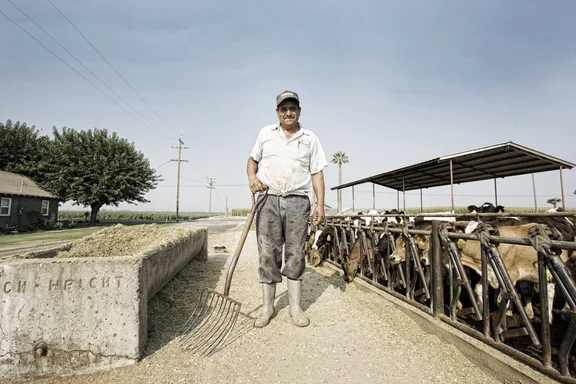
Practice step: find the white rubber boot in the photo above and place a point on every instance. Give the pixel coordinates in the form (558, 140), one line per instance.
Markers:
(294, 294)
(268, 296)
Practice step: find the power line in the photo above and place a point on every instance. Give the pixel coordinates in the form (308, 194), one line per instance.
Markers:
(84, 66)
(72, 68)
(111, 66)
(216, 191)
(163, 164)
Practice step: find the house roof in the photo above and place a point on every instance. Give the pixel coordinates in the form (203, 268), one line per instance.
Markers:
(495, 161)
(15, 184)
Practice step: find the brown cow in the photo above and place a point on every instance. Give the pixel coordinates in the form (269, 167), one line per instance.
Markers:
(520, 261)
(351, 263)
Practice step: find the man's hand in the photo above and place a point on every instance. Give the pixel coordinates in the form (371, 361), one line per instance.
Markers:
(318, 215)
(256, 185)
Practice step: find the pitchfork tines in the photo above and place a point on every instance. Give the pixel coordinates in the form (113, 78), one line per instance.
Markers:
(216, 314)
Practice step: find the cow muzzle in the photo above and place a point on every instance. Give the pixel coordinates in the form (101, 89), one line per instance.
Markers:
(395, 260)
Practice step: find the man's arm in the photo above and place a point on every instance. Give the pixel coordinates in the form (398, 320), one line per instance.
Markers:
(255, 183)
(318, 185)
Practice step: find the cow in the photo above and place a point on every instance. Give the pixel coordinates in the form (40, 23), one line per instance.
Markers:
(396, 219)
(521, 262)
(486, 208)
(399, 253)
(351, 263)
(318, 246)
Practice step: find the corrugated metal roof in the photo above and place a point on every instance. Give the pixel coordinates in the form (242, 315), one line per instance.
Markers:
(15, 184)
(495, 161)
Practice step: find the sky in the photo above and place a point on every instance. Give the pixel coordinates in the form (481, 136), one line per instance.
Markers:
(390, 83)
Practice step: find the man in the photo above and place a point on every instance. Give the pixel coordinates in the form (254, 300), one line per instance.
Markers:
(289, 160)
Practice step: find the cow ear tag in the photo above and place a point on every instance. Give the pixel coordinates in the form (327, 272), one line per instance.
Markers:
(461, 243)
(328, 238)
(421, 244)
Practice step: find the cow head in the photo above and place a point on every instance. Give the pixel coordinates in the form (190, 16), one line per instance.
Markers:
(397, 219)
(320, 246)
(422, 246)
(351, 263)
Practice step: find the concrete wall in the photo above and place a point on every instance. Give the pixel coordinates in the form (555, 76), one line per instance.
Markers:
(60, 316)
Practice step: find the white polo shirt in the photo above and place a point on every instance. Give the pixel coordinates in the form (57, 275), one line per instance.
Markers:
(286, 166)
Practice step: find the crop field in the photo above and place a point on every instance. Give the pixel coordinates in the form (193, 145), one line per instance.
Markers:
(136, 215)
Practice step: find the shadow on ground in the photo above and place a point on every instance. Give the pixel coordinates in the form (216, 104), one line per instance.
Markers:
(313, 287)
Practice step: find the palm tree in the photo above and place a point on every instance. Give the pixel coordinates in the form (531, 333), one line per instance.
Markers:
(554, 201)
(339, 158)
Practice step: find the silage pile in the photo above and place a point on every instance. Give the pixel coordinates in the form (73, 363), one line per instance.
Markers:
(123, 240)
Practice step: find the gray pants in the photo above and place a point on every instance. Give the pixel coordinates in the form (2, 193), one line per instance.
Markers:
(282, 221)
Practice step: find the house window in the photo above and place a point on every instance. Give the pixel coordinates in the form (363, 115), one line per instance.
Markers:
(45, 206)
(5, 205)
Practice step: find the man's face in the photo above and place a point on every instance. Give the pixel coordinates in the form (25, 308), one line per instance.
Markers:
(288, 113)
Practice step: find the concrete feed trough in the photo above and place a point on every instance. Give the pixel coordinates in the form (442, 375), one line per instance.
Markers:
(63, 315)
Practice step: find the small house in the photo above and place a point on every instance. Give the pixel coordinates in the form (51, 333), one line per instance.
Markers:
(22, 202)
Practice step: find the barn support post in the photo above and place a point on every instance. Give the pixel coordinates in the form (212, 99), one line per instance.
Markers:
(562, 190)
(397, 199)
(404, 195)
(373, 196)
(352, 199)
(495, 193)
(421, 204)
(437, 284)
(534, 192)
(452, 185)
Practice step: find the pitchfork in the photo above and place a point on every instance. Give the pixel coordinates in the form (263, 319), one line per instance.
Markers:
(215, 314)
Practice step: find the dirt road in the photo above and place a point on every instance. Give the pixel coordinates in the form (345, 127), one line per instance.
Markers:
(355, 335)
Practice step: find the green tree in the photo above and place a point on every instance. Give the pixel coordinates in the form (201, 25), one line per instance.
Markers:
(94, 169)
(339, 158)
(22, 150)
(554, 201)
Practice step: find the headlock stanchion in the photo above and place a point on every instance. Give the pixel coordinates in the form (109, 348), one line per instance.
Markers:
(412, 256)
(461, 276)
(507, 291)
(365, 256)
(397, 277)
(338, 257)
(540, 238)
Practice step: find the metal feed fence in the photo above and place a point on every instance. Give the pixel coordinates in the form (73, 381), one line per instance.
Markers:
(429, 281)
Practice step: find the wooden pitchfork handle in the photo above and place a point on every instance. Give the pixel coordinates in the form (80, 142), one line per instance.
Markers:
(234, 261)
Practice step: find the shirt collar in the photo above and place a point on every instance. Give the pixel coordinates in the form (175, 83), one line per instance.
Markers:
(300, 132)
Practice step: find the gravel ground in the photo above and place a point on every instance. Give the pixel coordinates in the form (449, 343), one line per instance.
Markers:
(355, 335)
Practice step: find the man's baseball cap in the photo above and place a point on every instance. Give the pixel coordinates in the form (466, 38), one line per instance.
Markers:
(285, 96)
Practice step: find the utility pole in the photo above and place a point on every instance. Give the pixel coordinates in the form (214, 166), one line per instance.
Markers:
(211, 182)
(226, 206)
(179, 160)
